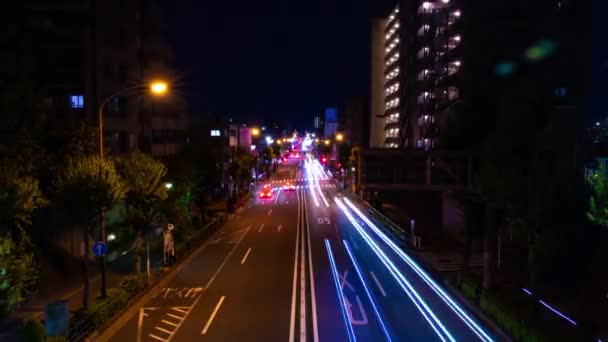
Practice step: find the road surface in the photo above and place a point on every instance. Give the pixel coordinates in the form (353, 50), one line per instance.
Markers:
(305, 265)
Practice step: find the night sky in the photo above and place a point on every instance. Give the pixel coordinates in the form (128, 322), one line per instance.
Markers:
(271, 58)
(288, 59)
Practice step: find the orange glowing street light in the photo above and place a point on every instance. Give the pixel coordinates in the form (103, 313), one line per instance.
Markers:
(158, 88)
(339, 137)
(255, 131)
(327, 142)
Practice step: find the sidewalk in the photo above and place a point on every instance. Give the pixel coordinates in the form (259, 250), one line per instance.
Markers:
(69, 285)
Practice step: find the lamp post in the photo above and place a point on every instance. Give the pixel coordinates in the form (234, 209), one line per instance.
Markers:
(157, 88)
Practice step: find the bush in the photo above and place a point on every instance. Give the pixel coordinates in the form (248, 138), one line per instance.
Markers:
(104, 309)
(470, 289)
(134, 283)
(508, 317)
(31, 331)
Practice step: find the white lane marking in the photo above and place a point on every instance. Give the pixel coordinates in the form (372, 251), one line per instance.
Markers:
(269, 212)
(140, 322)
(163, 330)
(315, 328)
(345, 281)
(179, 309)
(378, 283)
(261, 227)
(292, 321)
(168, 322)
(156, 337)
(246, 255)
(279, 228)
(277, 198)
(175, 316)
(219, 269)
(217, 307)
(302, 284)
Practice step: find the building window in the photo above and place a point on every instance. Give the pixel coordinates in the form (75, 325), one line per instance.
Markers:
(424, 52)
(392, 89)
(393, 59)
(392, 104)
(426, 8)
(77, 101)
(423, 29)
(453, 42)
(424, 75)
(424, 97)
(453, 16)
(453, 93)
(453, 67)
(392, 74)
(215, 133)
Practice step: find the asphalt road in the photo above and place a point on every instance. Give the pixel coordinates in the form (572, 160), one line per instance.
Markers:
(305, 265)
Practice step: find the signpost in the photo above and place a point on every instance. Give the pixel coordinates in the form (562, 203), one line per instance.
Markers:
(100, 249)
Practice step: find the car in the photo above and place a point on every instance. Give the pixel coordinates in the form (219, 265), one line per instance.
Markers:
(289, 186)
(266, 192)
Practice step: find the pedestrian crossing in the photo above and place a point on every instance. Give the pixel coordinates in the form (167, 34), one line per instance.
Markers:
(450, 262)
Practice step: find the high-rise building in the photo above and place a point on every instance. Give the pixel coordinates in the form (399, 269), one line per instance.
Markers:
(317, 123)
(330, 127)
(430, 55)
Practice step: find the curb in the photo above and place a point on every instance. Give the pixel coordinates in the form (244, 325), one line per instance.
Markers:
(132, 308)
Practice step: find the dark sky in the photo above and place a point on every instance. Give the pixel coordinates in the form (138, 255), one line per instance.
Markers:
(271, 58)
(291, 59)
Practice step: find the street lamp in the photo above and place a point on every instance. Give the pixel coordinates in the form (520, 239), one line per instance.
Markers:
(327, 142)
(157, 88)
(168, 185)
(255, 131)
(339, 137)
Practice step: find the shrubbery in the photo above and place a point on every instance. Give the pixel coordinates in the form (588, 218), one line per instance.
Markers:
(505, 314)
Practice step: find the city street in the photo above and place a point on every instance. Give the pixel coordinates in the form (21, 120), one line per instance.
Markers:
(306, 265)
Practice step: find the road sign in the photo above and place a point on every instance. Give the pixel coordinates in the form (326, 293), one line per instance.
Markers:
(100, 249)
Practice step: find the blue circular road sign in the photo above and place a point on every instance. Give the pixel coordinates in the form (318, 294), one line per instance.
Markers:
(100, 249)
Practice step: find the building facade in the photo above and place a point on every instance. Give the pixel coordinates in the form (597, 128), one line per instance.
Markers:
(85, 50)
(429, 56)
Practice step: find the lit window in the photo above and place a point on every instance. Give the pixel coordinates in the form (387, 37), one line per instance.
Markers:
(424, 75)
(453, 67)
(215, 133)
(77, 101)
(453, 42)
(426, 7)
(424, 52)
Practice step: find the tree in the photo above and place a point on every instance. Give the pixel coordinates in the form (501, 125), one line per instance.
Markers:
(516, 174)
(240, 170)
(598, 203)
(144, 178)
(20, 196)
(83, 187)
